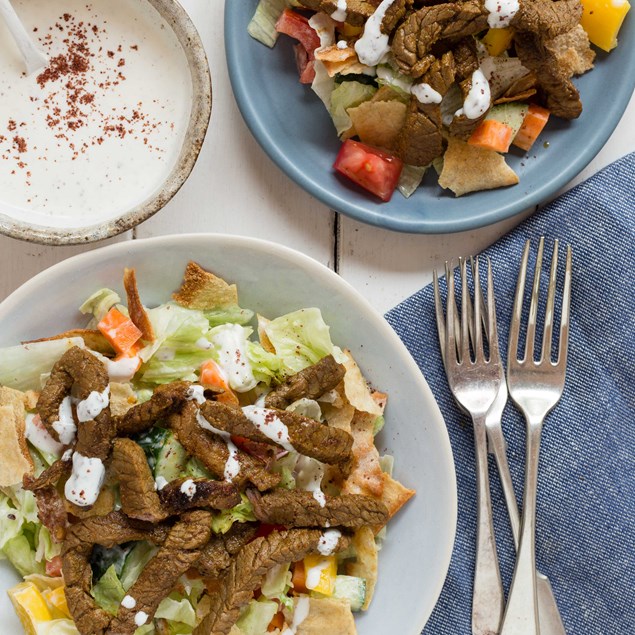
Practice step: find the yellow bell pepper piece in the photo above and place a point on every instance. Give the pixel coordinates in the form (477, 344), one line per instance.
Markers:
(57, 599)
(602, 19)
(348, 30)
(497, 41)
(30, 606)
(320, 574)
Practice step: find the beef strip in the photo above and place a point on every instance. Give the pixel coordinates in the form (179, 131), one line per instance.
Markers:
(561, 96)
(295, 508)
(307, 436)
(547, 18)
(419, 141)
(50, 508)
(181, 549)
(248, 569)
(190, 493)
(79, 369)
(465, 57)
(50, 476)
(217, 554)
(357, 11)
(416, 35)
(164, 401)
(212, 451)
(312, 382)
(139, 498)
(108, 531)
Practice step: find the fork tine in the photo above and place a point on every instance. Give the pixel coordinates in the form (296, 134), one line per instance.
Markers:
(492, 329)
(478, 329)
(438, 306)
(551, 296)
(566, 307)
(465, 336)
(449, 273)
(450, 338)
(514, 328)
(533, 307)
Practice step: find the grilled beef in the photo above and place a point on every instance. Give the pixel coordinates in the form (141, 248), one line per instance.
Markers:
(295, 508)
(420, 141)
(50, 510)
(212, 451)
(190, 493)
(547, 18)
(311, 382)
(217, 554)
(307, 436)
(181, 549)
(136, 483)
(50, 476)
(248, 569)
(165, 400)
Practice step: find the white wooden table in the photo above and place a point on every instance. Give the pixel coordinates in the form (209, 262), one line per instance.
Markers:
(236, 189)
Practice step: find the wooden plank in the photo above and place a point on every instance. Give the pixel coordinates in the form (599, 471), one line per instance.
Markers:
(235, 188)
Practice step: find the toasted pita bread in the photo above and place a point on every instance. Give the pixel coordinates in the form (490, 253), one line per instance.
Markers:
(203, 290)
(366, 476)
(356, 388)
(394, 496)
(339, 417)
(338, 60)
(93, 339)
(365, 565)
(122, 398)
(573, 51)
(262, 334)
(136, 311)
(19, 402)
(14, 463)
(330, 616)
(469, 168)
(378, 123)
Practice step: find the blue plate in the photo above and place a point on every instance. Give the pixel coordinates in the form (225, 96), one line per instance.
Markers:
(293, 127)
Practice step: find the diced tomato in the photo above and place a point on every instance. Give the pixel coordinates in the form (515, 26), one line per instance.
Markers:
(297, 26)
(261, 451)
(119, 330)
(54, 567)
(265, 530)
(306, 66)
(371, 168)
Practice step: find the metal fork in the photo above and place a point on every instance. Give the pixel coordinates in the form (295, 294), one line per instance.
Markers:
(475, 385)
(550, 620)
(535, 387)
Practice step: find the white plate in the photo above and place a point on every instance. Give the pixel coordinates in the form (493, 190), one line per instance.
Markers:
(274, 280)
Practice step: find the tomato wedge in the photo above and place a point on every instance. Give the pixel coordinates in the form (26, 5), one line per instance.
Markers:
(297, 26)
(373, 169)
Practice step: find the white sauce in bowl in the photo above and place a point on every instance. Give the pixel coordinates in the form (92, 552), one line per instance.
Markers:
(99, 131)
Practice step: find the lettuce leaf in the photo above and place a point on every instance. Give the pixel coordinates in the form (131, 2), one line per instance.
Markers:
(232, 315)
(140, 555)
(347, 95)
(99, 304)
(108, 592)
(57, 627)
(410, 179)
(263, 24)
(264, 365)
(22, 366)
(256, 617)
(21, 555)
(241, 513)
(177, 611)
(301, 338)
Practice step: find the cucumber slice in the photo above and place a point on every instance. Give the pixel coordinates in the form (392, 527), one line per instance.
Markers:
(351, 588)
(171, 460)
(511, 114)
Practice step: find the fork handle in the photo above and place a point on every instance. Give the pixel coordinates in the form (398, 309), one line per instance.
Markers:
(488, 599)
(521, 614)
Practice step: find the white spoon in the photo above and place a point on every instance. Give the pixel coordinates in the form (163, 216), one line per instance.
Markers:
(33, 57)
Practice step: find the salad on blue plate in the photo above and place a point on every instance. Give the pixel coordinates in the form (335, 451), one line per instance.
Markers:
(191, 468)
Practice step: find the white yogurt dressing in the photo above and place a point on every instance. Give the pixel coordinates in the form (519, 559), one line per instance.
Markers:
(93, 405)
(328, 542)
(300, 613)
(160, 482)
(196, 393)
(310, 473)
(128, 602)
(188, 488)
(426, 94)
(373, 44)
(478, 98)
(341, 13)
(133, 117)
(232, 465)
(140, 618)
(123, 369)
(230, 341)
(65, 424)
(38, 436)
(85, 481)
(501, 12)
(203, 343)
(270, 425)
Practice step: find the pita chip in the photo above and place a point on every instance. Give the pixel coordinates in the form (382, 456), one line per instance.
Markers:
(366, 476)
(365, 565)
(122, 398)
(93, 339)
(468, 168)
(203, 290)
(356, 388)
(328, 615)
(378, 123)
(136, 309)
(14, 463)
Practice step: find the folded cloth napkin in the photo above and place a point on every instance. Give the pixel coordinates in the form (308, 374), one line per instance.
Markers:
(586, 489)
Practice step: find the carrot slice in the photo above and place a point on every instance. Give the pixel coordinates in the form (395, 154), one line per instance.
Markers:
(119, 330)
(213, 377)
(277, 622)
(533, 123)
(492, 135)
(298, 577)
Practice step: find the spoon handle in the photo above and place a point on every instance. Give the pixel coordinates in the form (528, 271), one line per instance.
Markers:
(33, 57)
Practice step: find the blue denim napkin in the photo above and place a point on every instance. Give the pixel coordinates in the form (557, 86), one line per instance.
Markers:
(586, 490)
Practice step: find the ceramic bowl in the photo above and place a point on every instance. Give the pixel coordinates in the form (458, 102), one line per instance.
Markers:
(273, 280)
(178, 20)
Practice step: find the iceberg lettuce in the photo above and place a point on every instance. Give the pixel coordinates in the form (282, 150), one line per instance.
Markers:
(256, 617)
(108, 592)
(99, 304)
(242, 513)
(344, 96)
(263, 24)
